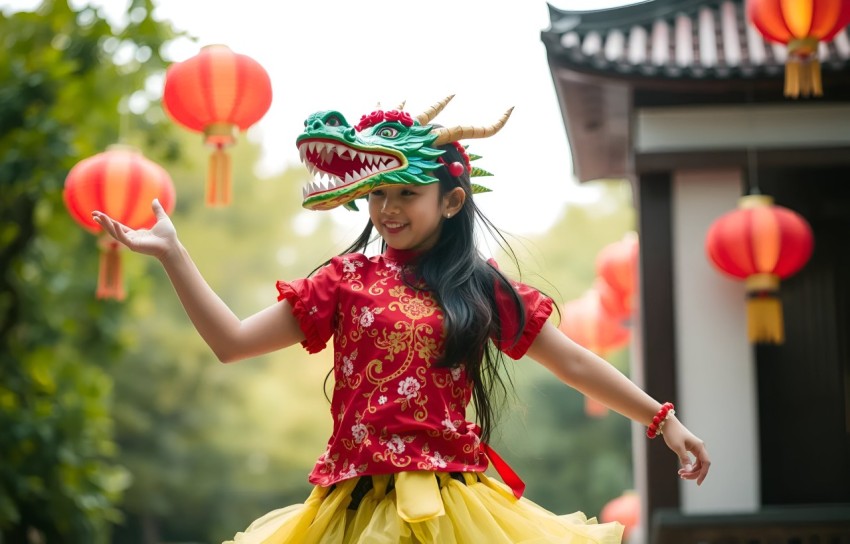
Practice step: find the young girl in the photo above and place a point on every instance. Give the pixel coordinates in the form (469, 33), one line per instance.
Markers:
(419, 332)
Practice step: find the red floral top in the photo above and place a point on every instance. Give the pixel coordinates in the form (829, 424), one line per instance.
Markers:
(393, 410)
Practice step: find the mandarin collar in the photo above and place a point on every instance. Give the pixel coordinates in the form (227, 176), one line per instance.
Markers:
(401, 256)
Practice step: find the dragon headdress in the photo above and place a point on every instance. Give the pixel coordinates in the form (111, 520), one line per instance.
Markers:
(387, 147)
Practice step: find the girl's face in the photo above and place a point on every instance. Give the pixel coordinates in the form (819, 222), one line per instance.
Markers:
(408, 217)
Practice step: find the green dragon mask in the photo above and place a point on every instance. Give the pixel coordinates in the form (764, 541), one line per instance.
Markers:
(387, 147)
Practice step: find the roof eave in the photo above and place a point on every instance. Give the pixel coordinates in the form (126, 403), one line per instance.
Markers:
(596, 114)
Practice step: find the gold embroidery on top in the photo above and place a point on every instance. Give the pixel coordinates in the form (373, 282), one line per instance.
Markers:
(412, 338)
(349, 273)
(392, 272)
(362, 320)
(360, 433)
(452, 428)
(409, 391)
(452, 378)
(394, 447)
(433, 462)
(415, 306)
(346, 372)
(474, 449)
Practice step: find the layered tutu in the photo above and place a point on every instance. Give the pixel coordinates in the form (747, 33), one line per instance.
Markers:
(419, 508)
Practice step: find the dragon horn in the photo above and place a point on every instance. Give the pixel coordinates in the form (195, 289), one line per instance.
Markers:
(446, 135)
(401, 106)
(425, 117)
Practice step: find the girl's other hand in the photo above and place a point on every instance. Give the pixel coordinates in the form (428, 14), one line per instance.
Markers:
(684, 444)
(159, 241)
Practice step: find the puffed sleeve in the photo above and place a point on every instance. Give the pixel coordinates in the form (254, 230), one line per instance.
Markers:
(537, 307)
(314, 301)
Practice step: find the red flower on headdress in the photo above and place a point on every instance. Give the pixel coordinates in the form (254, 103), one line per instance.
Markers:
(379, 116)
(401, 116)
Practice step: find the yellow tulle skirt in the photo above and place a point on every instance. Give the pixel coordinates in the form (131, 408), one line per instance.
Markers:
(417, 507)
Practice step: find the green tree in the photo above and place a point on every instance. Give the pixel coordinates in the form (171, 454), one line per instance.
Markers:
(60, 91)
(99, 399)
(570, 461)
(211, 446)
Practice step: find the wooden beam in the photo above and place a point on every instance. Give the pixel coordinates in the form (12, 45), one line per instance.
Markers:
(658, 350)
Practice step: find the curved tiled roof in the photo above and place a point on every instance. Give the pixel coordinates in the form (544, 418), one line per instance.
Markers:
(681, 39)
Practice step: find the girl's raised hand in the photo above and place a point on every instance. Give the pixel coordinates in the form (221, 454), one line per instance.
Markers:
(159, 241)
(685, 444)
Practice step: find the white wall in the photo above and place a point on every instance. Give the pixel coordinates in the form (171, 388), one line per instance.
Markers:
(716, 372)
(800, 125)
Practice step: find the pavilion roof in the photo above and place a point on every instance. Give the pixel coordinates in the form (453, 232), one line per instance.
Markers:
(676, 39)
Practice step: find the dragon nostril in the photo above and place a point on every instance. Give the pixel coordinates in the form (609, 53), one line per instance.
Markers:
(317, 124)
(349, 134)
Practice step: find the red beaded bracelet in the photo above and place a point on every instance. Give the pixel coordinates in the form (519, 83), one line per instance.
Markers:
(658, 420)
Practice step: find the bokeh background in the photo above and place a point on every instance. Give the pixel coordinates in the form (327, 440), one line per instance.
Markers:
(117, 424)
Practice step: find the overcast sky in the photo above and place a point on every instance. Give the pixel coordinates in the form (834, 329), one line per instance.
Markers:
(350, 55)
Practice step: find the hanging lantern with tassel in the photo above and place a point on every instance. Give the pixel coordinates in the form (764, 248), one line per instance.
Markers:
(761, 243)
(586, 323)
(217, 92)
(617, 271)
(122, 183)
(801, 25)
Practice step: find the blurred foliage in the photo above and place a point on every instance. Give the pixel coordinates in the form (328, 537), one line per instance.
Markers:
(116, 421)
(60, 91)
(212, 446)
(569, 460)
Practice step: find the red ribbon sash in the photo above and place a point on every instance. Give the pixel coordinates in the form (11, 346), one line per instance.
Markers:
(507, 474)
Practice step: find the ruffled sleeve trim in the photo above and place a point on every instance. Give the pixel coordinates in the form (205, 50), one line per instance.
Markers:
(312, 340)
(533, 326)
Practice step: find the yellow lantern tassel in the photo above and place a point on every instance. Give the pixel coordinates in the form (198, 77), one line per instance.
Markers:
(792, 78)
(219, 136)
(802, 69)
(110, 284)
(219, 178)
(764, 320)
(764, 310)
(815, 77)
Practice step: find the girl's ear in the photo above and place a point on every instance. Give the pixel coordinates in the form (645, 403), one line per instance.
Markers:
(453, 201)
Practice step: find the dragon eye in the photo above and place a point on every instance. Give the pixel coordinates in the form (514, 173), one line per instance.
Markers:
(388, 132)
(332, 121)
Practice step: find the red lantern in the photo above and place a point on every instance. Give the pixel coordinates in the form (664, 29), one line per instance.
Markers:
(760, 243)
(122, 183)
(590, 326)
(217, 92)
(801, 25)
(616, 267)
(624, 509)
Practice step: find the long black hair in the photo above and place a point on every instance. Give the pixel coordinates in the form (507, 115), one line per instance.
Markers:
(464, 284)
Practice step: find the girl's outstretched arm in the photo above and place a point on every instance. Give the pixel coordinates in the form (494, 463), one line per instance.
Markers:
(229, 337)
(596, 378)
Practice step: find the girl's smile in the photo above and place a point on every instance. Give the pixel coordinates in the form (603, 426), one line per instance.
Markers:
(407, 217)
(393, 228)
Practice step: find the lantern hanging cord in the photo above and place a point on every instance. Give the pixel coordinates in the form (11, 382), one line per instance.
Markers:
(124, 114)
(751, 178)
(122, 120)
(752, 173)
